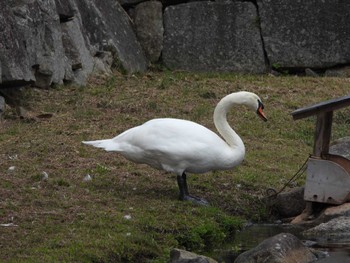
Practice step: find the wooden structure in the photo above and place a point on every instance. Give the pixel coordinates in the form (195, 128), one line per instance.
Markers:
(328, 175)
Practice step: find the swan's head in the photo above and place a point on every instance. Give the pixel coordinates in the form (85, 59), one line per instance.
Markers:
(253, 102)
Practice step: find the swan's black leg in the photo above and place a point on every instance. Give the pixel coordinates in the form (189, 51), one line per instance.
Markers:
(184, 179)
(184, 194)
(180, 183)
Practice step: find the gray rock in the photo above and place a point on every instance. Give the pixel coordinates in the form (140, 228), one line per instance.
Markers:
(65, 10)
(302, 34)
(342, 72)
(2, 105)
(50, 41)
(38, 54)
(331, 213)
(289, 204)
(310, 73)
(103, 63)
(148, 20)
(79, 58)
(282, 248)
(34, 50)
(336, 229)
(341, 147)
(14, 97)
(183, 256)
(15, 63)
(108, 28)
(42, 32)
(209, 36)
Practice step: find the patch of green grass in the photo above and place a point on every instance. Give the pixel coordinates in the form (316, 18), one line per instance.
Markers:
(62, 182)
(101, 169)
(36, 177)
(206, 234)
(129, 212)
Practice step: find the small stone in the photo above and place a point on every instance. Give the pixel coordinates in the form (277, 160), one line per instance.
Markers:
(8, 225)
(12, 168)
(45, 176)
(310, 73)
(127, 217)
(13, 157)
(87, 178)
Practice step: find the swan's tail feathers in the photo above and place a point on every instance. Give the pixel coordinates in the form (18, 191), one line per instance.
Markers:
(108, 144)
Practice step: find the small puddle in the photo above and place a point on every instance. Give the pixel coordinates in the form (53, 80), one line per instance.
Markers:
(333, 251)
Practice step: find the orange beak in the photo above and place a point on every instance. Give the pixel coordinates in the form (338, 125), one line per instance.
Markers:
(261, 113)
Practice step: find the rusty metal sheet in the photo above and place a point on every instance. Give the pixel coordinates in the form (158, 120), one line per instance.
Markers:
(326, 182)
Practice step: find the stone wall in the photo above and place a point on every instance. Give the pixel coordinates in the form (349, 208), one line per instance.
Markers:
(45, 42)
(255, 36)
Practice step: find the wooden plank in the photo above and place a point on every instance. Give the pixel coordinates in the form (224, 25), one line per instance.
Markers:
(321, 107)
(323, 133)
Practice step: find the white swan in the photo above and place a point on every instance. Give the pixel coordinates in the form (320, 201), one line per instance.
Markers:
(181, 146)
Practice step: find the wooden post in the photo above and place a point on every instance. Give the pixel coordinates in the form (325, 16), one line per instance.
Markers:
(323, 133)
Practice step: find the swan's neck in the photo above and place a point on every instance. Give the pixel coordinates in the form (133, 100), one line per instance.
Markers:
(221, 124)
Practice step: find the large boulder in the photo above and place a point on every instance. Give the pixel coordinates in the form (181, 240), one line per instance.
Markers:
(213, 36)
(282, 248)
(336, 230)
(81, 59)
(289, 204)
(108, 28)
(40, 25)
(148, 20)
(305, 34)
(46, 42)
(342, 72)
(15, 65)
(31, 40)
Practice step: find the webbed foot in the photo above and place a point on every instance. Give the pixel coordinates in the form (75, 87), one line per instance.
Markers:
(195, 200)
(185, 196)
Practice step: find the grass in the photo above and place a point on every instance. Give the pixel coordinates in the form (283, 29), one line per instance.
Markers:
(130, 212)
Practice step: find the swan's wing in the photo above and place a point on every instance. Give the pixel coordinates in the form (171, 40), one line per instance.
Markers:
(172, 145)
(171, 135)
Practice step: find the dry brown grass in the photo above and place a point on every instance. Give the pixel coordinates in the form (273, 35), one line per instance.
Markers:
(66, 219)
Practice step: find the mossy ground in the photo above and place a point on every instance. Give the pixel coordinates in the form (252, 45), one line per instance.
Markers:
(130, 212)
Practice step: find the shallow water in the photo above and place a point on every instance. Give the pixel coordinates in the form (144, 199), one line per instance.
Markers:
(331, 251)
